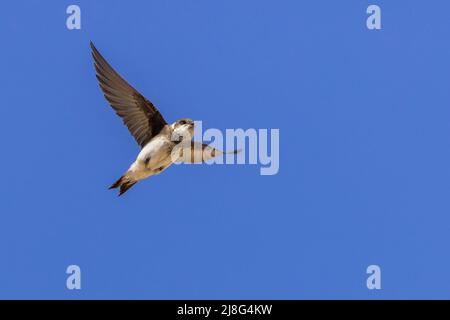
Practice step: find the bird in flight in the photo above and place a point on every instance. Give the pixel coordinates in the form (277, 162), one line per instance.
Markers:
(161, 143)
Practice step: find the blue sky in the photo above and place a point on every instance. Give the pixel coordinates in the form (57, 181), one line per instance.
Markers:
(364, 123)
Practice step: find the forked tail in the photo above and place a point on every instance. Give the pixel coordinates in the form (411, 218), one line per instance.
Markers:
(124, 183)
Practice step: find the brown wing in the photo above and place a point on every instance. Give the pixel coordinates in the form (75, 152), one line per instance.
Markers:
(141, 117)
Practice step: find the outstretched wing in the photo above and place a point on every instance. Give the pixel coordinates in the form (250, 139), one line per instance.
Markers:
(141, 117)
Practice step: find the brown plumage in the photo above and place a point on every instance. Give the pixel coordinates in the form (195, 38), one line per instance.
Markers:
(148, 127)
(141, 117)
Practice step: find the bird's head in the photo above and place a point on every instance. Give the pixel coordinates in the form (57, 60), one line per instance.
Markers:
(182, 130)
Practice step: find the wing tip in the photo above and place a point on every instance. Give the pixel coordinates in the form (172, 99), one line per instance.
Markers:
(95, 53)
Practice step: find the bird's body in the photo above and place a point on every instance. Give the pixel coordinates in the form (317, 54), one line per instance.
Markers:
(153, 158)
(156, 156)
(161, 143)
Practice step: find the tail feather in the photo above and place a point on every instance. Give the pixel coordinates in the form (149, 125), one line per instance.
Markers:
(124, 183)
(124, 187)
(117, 183)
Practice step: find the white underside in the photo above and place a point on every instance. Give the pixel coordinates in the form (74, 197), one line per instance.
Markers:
(158, 151)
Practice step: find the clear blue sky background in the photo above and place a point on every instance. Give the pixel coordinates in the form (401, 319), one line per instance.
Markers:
(364, 119)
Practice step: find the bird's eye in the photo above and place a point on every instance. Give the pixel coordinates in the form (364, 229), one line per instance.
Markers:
(182, 122)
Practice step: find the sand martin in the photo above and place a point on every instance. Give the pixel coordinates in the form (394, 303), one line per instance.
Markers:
(161, 143)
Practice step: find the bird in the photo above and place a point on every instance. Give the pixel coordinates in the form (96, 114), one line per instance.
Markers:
(161, 143)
